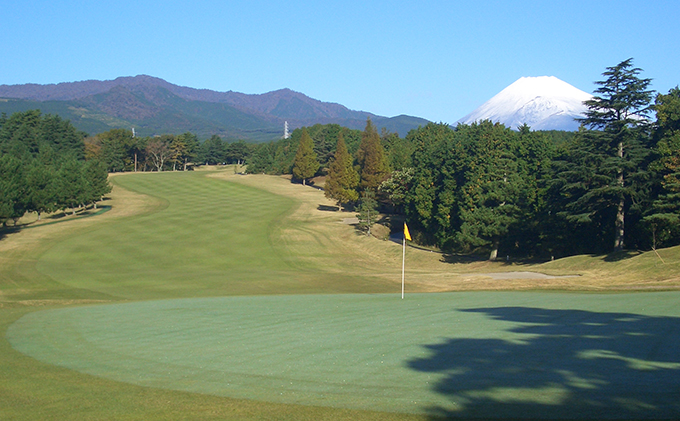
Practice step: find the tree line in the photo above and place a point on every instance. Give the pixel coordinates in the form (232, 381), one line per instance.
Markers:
(120, 150)
(42, 167)
(484, 188)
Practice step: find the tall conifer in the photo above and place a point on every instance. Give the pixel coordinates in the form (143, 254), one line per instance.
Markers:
(305, 164)
(342, 179)
(618, 115)
(664, 215)
(372, 159)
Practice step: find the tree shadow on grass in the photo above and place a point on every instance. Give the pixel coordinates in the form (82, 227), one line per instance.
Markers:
(621, 255)
(461, 258)
(4, 231)
(565, 364)
(327, 208)
(54, 219)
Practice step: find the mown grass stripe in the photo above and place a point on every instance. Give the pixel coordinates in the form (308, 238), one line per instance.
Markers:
(209, 232)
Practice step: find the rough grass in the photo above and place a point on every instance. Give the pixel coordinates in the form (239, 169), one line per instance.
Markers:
(181, 235)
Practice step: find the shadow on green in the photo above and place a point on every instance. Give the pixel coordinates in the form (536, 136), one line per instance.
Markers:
(574, 364)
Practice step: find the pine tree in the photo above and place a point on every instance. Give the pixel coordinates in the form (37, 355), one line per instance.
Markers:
(368, 211)
(372, 159)
(97, 182)
(305, 165)
(12, 188)
(71, 184)
(619, 114)
(342, 179)
(664, 215)
(40, 188)
(492, 190)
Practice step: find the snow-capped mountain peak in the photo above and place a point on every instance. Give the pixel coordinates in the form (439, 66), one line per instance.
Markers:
(543, 102)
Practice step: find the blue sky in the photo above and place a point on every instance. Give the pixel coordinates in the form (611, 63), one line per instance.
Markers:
(433, 59)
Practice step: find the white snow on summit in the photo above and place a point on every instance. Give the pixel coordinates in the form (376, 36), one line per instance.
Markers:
(543, 102)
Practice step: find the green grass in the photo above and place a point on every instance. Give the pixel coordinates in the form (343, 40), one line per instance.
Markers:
(224, 301)
(475, 354)
(206, 238)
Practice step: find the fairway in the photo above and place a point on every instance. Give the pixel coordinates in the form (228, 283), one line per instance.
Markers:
(465, 354)
(202, 237)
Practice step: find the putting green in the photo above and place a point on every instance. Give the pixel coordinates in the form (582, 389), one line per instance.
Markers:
(498, 354)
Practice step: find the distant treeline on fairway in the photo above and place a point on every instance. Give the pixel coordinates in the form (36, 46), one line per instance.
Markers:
(120, 150)
(614, 184)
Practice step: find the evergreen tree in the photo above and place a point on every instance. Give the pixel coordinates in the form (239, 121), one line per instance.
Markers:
(41, 188)
(212, 151)
(368, 211)
(471, 187)
(262, 160)
(28, 131)
(62, 136)
(20, 133)
(237, 152)
(116, 145)
(493, 190)
(397, 187)
(71, 185)
(97, 182)
(371, 158)
(578, 202)
(325, 139)
(534, 152)
(305, 165)
(342, 179)
(664, 215)
(191, 148)
(12, 188)
(430, 206)
(399, 151)
(41, 167)
(619, 114)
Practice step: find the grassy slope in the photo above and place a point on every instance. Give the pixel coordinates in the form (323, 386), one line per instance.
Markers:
(299, 247)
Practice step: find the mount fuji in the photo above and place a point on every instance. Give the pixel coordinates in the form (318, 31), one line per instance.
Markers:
(543, 103)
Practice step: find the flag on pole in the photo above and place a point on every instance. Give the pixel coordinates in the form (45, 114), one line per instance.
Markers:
(407, 235)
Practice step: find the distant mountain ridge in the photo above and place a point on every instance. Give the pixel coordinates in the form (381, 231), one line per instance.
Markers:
(543, 103)
(154, 106)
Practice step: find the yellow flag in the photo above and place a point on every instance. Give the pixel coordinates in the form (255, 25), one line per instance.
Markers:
(406, 233)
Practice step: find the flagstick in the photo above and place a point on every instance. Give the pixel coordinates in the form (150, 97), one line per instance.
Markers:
(403, 262)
